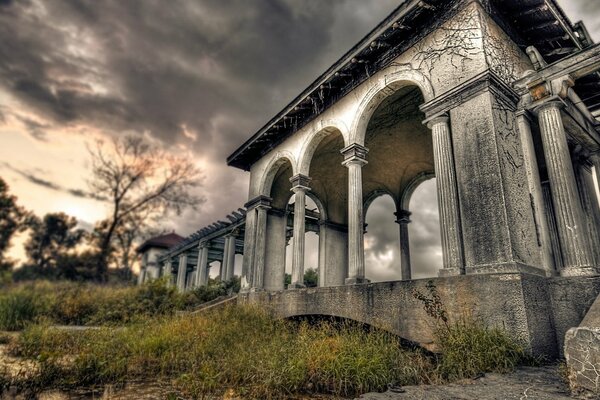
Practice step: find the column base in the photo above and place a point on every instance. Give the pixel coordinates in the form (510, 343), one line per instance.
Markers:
(293, 286)
(256, 290)
(356, 281)
(579, 271)
(446, 272)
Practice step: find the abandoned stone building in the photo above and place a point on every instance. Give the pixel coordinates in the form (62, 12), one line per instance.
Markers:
(499, 101)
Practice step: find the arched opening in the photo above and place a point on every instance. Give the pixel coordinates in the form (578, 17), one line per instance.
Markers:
(277, 223)
(424, 231)
(329, 190)
(400, 157)
(382, 255)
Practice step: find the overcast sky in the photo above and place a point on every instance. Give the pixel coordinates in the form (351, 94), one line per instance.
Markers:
(199, 77)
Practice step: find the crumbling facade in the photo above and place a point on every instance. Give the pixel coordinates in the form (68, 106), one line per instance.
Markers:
(498, 100)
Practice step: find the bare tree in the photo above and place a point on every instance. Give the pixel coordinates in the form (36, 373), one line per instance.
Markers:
(141, 182)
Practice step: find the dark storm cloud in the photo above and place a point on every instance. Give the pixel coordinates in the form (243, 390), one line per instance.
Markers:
(221, 69)
(164, 65)
(34, 178)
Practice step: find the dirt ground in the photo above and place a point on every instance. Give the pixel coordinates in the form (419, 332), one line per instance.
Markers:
(540, 383)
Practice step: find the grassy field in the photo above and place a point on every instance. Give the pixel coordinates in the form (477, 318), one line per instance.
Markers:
(241, 351)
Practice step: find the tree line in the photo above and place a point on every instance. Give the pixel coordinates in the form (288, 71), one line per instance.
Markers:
(139, 183)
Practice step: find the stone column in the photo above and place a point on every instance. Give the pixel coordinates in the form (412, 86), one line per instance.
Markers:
(354, 159)
(300, 185)
(403, 219)
(587, 189)
(259, 254)
(552, 229)
(571, 226)
(168, 271)
(182, 272)
(535, 190)
(142, 275)
(201, 266)
(445, 173)
(251, 243)
(229, 257)
(225, 262)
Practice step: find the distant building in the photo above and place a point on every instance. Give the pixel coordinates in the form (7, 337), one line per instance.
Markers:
(150, 251)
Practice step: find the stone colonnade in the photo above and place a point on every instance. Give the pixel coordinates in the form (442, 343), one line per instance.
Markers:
(193, 261)
(565, 229)
(355, 158)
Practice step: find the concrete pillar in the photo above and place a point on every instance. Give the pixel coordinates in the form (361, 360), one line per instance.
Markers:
(229, 257)
(259, 253)
(450, 225)
(182, 272)
(225, 262)
(354, 159)
(572, 229)
(300, 185)
(201, 267)
(403, 219)
(275, 257)
(535, 190)
(333, 254)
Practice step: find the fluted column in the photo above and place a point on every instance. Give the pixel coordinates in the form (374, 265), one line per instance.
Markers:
(251, 242)
(403, 219)
(445, 173)
(300, 185)
(229, 256)
(571, 226)
(259, 254)
(537, 196)
(354, 159)
(587, 189)
(182, 272)
(201, 266)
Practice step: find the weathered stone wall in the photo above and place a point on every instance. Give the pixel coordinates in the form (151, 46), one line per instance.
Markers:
(571, 300)
(525, 305)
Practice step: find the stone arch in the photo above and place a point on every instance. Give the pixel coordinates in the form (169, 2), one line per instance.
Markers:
(320, 206)
(392, 81)
(318, 133)
(374, 195)
(410, 188)
(280, 158)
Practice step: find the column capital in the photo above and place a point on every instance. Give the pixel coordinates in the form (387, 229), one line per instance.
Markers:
(355, 154)
(403, 217)
(553, 103)
(259, 201)
(525, 114)
(202, 245)
(442, 118)
(300, 183)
